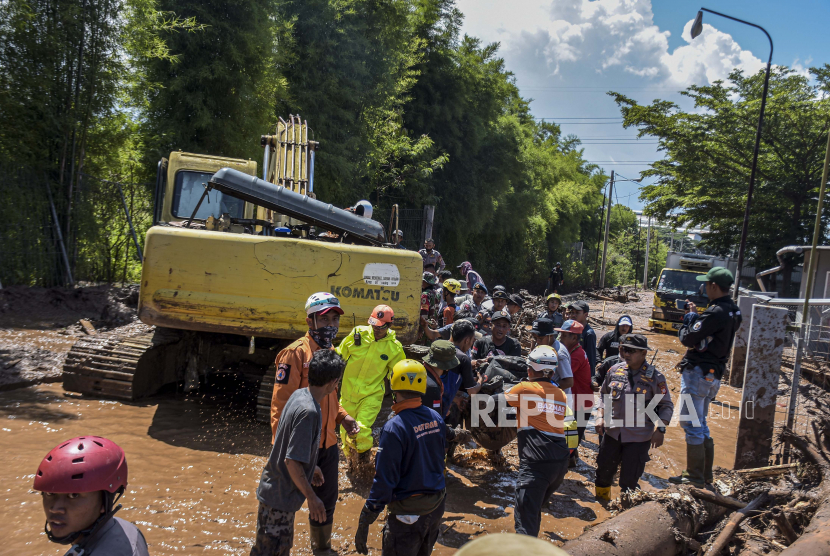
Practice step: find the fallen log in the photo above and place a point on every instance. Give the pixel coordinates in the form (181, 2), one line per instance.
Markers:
(769, 471)
(784, 525)
(598, 296)
(815, 539)
(717, 498)
(650, 529)
(88, 328)
(735, 519)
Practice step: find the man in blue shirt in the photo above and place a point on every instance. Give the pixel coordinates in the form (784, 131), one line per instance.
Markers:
(409, 471)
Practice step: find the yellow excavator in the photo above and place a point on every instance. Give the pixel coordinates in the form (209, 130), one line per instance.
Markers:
(228, 264)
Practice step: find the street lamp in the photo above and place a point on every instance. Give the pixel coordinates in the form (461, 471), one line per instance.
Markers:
(697, 28)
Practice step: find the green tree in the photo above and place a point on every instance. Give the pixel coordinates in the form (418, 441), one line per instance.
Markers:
(704, 177)
(215, 93)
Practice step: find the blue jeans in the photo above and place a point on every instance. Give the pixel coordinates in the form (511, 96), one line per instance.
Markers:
(699, 393)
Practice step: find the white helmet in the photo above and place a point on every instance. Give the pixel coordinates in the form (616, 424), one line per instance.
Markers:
(543, 359)
(321, 302)
(363, 208)
(398, 233)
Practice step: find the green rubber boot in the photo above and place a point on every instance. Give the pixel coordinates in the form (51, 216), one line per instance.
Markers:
(709, 461)
(695, 462)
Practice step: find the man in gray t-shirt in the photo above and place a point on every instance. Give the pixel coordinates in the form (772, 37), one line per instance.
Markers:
(291, 468)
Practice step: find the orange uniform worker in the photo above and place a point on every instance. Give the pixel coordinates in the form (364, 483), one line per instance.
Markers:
(323, 318)
(543, 449)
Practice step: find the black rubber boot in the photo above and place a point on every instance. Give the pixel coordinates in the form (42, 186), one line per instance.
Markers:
(321, 540)
(709, 460)
(695, 461)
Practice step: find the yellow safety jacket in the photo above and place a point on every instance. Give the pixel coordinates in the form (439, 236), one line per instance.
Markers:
(368, 362)
(571, 432)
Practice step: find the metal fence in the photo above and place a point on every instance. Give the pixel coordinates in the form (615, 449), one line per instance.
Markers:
(411, 221)
(806, 355)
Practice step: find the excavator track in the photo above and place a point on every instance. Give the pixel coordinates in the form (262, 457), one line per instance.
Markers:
(105, 364)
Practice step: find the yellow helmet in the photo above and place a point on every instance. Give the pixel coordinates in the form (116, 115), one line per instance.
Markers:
(452, 285)
(409, 375)
(553, 296)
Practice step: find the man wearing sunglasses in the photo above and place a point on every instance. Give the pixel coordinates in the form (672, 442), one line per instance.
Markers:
(370, 353)
(627, 438)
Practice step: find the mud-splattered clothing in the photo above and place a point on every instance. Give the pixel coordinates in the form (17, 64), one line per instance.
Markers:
(274, 532)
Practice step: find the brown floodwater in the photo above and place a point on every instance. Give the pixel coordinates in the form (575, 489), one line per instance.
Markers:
(195, 464)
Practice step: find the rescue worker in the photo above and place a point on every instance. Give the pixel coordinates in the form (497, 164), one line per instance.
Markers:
(474, 304)
(552, 303)
(556, 278)
(430, 299)
(541, 408)
(498, 301)
(708, 338)
(291, 473)
(515, 302)
(626, 447)
(578, 311)
(499, 343)
(323, 319)
(371, 353)
(80, 481)
(544, 334)
(582, 395)
(609, 344)
(450, 289)
(397, 239)
(470, 275)
(409, 471)
(438, 362)
(430, 255)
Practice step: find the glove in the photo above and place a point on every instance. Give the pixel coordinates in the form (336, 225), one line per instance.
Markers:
(462, 436)
(361, 536)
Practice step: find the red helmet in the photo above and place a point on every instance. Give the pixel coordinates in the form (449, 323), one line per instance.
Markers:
(83, 464)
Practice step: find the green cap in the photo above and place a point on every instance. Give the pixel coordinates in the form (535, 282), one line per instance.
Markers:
(719, 275)
(442, 355)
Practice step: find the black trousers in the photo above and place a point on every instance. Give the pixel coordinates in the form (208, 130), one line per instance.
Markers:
(536, 482)
(417, 539)
(327, 461)
(631, 457)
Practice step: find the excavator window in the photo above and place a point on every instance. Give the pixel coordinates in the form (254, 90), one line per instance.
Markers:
(188, 191)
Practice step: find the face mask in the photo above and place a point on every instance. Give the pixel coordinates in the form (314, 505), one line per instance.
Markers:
(324, 335)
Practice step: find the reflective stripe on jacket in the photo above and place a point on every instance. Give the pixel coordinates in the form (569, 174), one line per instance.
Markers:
(367, 364)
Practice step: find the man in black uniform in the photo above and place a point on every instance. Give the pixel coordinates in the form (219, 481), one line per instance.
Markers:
(484, 349)
(708, 337)
(555, 279)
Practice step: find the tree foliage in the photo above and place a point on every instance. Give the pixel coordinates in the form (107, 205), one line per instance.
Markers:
(407, 109)
(704, 177)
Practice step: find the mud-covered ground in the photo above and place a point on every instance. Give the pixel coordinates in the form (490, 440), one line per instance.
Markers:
(195, 460)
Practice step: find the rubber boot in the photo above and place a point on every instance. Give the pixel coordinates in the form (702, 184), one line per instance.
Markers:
(709, 461)
(695, 461)
(321, 540)
(602, 493)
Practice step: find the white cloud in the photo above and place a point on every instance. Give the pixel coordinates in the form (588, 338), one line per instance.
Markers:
(611, 37)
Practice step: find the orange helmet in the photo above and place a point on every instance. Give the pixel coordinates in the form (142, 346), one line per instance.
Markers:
(381, 315)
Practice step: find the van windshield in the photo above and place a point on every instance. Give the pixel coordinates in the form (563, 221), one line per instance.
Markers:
(189, 190)
(679, 282)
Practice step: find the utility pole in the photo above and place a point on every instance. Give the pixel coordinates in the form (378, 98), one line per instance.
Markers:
(607, 229)
(599, 240)
(648, 244)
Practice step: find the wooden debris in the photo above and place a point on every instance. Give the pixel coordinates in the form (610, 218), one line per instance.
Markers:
(88, 328)
(784, 525)
(716, 498)
(732, 525)
(769, 471)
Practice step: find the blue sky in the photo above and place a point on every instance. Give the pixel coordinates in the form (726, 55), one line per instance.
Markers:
(567, 53)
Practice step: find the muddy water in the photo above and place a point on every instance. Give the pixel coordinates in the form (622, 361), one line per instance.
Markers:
(195, 465)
